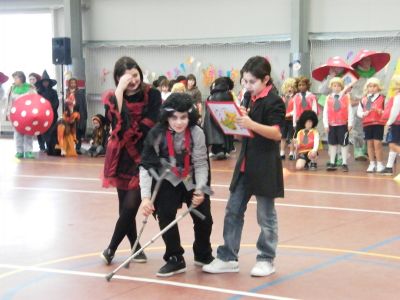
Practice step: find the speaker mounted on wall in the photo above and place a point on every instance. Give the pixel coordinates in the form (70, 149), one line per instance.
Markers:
(61, 51)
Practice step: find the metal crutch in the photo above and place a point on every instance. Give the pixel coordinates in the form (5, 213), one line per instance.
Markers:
(159, 180)
(191, 209)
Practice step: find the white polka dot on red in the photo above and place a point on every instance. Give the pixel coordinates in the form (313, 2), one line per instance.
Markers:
(31, 114)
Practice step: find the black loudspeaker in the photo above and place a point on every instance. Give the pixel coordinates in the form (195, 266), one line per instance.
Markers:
(61, 51)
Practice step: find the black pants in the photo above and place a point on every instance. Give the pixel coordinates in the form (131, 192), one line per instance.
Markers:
(129, 202)
(41, 142)
(168, 201)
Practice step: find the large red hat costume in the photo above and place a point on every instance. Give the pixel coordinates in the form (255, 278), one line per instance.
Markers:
(31, 114)
(322, 71)
(378, 59)
(3, 78)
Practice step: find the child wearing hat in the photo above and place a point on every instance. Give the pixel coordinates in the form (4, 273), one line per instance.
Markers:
(338, 121)
(370, 110)
(307, 141)
(366, 63)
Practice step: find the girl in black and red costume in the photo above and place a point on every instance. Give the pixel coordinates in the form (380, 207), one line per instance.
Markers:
(132, 109)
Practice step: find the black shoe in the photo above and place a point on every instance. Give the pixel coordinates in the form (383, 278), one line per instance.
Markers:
(313, 166)
(173, 266)
(140, 258)
(387, 171)
(283, 157)
(203, 261)
(345, 168)
(330, 167)
(107, 256)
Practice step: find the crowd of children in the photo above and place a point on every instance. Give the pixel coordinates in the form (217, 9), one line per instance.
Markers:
(145, 125)
(345, 118)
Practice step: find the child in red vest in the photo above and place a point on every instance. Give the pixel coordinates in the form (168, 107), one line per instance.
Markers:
(391, 117)
(370, 110)
(289, 89)
(338, 121)
(307, 141)
(303, 100)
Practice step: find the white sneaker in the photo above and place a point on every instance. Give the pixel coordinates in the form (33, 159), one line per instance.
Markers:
(380, 168)
(371, 168)
(262, 268)
(220, 266)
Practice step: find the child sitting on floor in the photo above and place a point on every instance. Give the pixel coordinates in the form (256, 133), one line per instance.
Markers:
(307, 141)
(99, 136)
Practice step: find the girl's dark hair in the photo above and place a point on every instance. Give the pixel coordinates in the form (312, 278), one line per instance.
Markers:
(192, 77)
(164, 82)
(20, 75)
(178, 102)
(223, 81)
(171, 84)
(181, 78)
(123, 64)
(259, 67)
(36, 75)
(157, 82)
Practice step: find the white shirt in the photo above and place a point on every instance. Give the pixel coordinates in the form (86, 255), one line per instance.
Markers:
(395, 110)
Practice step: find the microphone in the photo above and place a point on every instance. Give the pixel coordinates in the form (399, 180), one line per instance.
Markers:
(246, 99)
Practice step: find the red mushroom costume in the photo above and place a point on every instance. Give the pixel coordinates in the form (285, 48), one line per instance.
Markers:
(31, 114)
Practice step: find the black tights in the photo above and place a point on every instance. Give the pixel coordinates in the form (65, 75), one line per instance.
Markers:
(129, 202)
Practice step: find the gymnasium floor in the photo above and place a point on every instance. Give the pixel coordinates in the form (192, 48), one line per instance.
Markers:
(339, 237)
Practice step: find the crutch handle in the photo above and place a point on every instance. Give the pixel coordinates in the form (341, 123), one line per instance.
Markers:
(197, 213)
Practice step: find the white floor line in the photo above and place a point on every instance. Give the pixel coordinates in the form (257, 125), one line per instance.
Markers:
(58, 177)
(226, 186)
(143, 279)
(327, 192)
(219, 200)
(323, 207)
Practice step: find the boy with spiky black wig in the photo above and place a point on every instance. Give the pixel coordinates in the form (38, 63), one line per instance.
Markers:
(179, 140)
(307, 141)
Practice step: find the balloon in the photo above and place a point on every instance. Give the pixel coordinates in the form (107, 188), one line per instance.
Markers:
(228, 73)
(183, 68)
(31, 114)
(176, 72)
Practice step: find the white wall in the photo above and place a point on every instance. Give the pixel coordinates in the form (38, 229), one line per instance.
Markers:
(354, 15)
(124, 20)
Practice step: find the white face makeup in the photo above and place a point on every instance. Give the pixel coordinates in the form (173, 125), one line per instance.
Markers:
(252, 84)
(179, 121)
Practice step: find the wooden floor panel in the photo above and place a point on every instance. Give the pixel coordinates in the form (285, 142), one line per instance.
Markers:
(339, 236)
